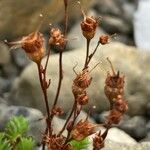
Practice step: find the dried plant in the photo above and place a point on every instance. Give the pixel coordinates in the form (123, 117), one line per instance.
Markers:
(33, 45)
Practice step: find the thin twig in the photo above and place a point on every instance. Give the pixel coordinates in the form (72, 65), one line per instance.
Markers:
(87, 53)
(66, 17)
(92, 54)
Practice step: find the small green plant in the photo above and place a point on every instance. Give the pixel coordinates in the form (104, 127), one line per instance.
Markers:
(80, 145)
(15, 135)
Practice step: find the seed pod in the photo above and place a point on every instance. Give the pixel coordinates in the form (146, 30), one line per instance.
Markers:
(104, 39)
(82, 99)
(57, 38)
(120, 104)
(83, 129)
(33, 46)
(114, 117)
(83, 79)
(98, 141)
(88, 26)
(114, 86)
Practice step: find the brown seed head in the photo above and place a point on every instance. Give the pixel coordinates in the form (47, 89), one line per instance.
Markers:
(88, 26)
(120, 104)
(114, 117)
(98, 142)
(54, 142)
(83, 79)
(114, 86)
(57, 38)
(57, 110)
(104, 39)
(83, 129)
(33, 46)
(82, 99)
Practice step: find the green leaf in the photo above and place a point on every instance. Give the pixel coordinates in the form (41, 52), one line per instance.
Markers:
(25, 144)
(16, 127)
(4, 144)
(80, 145)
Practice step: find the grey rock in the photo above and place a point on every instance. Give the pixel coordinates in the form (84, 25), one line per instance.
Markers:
(19, 58)
(26, 90)
(4, 85)
(4, 54)
(27, 18)
(135, 127)
(113, 25)
(108, 7)
(35, 118)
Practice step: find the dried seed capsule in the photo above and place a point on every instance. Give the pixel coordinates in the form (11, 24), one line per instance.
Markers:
(88, 26)
(82, 99)
(83, 129)
(98, 142)
(57, 38)
(33, 46)
(114, 86)
(104, 39)
(83, 79)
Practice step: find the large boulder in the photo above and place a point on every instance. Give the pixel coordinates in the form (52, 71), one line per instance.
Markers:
(22, 17)
(129, 60)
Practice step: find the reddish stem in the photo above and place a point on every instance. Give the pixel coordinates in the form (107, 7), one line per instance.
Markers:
(87, 53)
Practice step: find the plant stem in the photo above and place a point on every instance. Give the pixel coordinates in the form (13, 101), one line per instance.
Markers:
(44, 90)
(69, 117)
(92, 54)
(87, 53)
(58, 87)
(66, 16)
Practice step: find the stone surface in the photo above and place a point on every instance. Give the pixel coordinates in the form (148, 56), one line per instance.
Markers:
(141, 21)
(135, 127)
(128, 60)
(4, 54)
(27, 18)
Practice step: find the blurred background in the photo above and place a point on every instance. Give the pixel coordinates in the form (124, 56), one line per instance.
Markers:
(126, 21)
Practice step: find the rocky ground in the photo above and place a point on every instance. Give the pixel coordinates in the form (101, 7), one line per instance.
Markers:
(19, 88)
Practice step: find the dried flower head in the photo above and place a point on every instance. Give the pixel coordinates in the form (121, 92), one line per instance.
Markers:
(114, 117)
(120, 104)
(80, 83)
(88, 26)
(54, 142)
(33, 45)
(114, 85)
(57, 38)
(98, 141)
(83, 79)
(83, 129)
(104, 39)
(57, 111)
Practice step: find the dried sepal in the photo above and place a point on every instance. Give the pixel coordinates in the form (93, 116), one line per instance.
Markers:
(83, 79)
(83, 129)
(114, 84)
(98, 141)
(104, 39)
(57, 38)
(54, 142)
(80, 84)
(32, 44)
(88, 26)
(57, 111)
